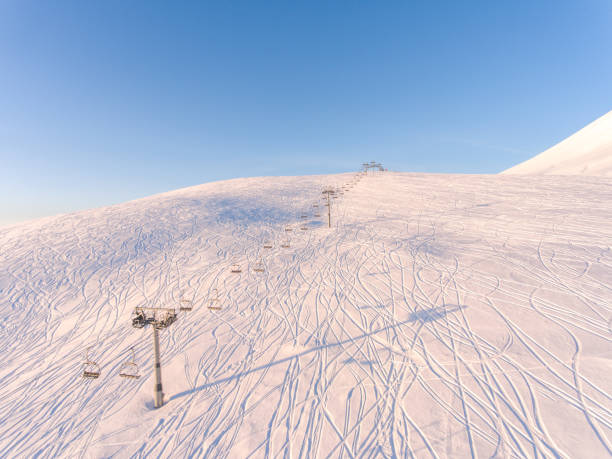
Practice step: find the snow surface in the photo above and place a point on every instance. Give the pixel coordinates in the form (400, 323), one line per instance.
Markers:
(442, 316)
(587, 152)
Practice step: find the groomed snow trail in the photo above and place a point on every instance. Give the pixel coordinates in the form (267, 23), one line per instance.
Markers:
(441, 315)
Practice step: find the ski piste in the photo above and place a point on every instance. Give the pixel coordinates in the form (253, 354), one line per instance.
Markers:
(438, 316)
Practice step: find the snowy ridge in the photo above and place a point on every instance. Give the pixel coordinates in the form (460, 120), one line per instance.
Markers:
(440, 316)
(587, 152)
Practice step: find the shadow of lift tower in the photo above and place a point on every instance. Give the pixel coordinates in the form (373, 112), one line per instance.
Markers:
(159, 318)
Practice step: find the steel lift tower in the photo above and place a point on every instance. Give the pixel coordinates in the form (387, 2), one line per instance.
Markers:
(327, 192)
(159, 318)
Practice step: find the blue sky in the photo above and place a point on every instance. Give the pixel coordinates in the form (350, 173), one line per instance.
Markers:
(102, 102)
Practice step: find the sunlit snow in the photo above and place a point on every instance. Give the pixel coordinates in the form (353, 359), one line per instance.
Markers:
(440, 316)
(587, 152)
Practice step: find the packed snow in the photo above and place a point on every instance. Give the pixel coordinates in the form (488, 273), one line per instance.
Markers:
(439, 316)
(587, 152)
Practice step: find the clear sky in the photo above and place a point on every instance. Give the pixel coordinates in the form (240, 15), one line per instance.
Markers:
(107, 101)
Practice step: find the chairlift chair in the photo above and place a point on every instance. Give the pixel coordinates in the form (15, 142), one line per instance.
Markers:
(91, 370)
(286, 244)
(288, 229)
(267, 245)
(259, 267)
(317, 214)
(186, 305)
(235, 268)
(213, 303)
(129, 369)
(304, 227)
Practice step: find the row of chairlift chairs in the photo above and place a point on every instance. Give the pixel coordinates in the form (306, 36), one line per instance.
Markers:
(286, 243)
(258, 267)
(316, 212)
(128, 369)
(139, 319)
(164, 317)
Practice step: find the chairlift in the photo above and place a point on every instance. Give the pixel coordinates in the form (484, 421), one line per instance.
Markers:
(288, 229)
(213, 303)
(286, 244)
(129, 369)
(267, 245)
(317, 214)
(186, 305)
(235, 268)
(303, 216)
(259, 267)
(303, 227)
(91, 370)
(168, 317)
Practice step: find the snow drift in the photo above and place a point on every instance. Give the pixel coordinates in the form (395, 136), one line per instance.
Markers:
(587, 152)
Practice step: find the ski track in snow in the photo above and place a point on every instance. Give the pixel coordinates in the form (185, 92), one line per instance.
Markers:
(442, 316)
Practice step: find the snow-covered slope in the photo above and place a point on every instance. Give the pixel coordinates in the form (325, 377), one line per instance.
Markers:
(587, 152)
(440, 316)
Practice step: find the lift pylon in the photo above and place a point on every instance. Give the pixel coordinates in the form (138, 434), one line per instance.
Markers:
(159, 318)
(327, 192)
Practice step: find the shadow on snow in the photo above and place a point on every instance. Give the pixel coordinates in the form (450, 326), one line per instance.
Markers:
(428, 315)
